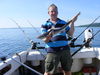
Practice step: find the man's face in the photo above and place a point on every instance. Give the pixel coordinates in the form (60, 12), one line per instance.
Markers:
(53, 12)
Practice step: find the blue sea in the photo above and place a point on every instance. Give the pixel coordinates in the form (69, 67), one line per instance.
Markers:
(14, 40)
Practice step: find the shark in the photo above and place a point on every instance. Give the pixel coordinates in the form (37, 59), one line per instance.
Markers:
(56, 30)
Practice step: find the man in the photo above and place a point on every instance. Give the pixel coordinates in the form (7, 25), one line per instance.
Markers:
(57, 45)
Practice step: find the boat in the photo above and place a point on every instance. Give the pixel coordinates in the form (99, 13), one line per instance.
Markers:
(32, 61)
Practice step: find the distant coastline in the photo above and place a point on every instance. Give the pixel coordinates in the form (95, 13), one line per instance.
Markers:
(93, 25)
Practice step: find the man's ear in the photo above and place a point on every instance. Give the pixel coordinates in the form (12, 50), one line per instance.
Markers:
(48, 12)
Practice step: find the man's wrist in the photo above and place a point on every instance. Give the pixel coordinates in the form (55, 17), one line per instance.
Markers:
(46, 40)
(72, 24)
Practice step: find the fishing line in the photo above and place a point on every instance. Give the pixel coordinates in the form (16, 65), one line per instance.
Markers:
(22, 30)
(85, 43)
(30, 41)
(33, 26)
(37, 48)
(72, 41)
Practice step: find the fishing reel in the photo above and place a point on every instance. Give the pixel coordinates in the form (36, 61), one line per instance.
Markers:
(69, 38)
(34, 45)
(3, 58)
(72, 42)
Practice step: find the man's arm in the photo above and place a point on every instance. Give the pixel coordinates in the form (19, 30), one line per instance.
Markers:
(71, 31)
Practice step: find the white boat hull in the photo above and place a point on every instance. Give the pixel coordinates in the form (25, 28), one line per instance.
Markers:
(84, 56)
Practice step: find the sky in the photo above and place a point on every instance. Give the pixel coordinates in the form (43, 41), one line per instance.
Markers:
(36, 11)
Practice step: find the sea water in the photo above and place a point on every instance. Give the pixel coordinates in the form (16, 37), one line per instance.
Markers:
(14, 40)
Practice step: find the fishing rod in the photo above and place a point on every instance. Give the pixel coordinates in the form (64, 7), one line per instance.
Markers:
(86, 43)
(30, 41)
(73, 40)
(33, 26)
(33, 44)
(23, 64)
(22, 30)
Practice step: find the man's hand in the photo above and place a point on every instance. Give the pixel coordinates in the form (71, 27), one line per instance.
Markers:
(75, 18)
(49, 36)
(71, 31)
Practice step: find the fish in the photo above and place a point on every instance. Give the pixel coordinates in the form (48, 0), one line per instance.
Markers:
(56, 30)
